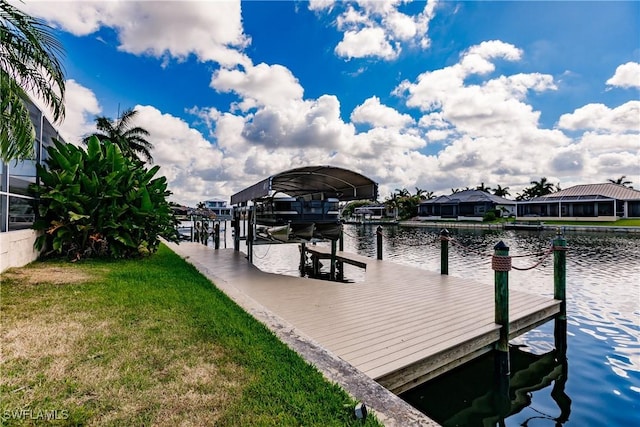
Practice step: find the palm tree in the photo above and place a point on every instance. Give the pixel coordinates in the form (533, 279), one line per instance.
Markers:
(131, 140)
(501, 191)
(481, 187)
(542, 187)
(29, 62)
(402, 192)
(621, 181)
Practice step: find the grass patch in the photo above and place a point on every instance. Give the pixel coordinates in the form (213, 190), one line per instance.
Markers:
(624, 222)
(147, 342)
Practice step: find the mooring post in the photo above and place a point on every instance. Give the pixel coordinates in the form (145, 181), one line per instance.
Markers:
(501, 265)
(379, 241)
(236, 231)
(444, 251)
(560, 291)
(303, 258)
(216, 235)
(250, 235)
(333, 260)
(341, 239)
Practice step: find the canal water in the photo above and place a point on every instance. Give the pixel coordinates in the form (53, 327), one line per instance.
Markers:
(598, 383)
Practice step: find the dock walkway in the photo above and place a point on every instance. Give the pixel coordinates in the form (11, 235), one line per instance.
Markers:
(400, 326)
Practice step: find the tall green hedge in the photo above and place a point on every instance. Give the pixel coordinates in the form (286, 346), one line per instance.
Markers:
(100, 202)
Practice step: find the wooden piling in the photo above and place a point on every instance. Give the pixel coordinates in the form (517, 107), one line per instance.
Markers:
(501, 264)
(236, 230)
(560, 272)
(560, 291)
(444, 251)
(341, 239)
(303, 258)
(216, 235)
(250, 229)
(333, 260)
(379, 241)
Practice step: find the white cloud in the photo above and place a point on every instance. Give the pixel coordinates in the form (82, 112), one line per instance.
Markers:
(625, 118)
(378, 115)
(259, 85)
(626, 76)
(81, 108)
(377, 28)
(319, 5)
(366, 42)
(212, 31)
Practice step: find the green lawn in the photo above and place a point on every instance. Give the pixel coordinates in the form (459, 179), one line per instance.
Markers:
(625, 222)
(147, 342)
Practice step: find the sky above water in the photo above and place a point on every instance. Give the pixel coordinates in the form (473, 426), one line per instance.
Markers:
(433, 95)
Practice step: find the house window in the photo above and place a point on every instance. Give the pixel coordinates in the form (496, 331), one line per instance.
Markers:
(479, 209)
(17, 207)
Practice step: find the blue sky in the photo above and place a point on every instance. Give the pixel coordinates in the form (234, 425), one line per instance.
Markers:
(434, 95)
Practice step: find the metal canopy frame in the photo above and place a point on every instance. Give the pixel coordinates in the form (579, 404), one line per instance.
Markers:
(326, 181)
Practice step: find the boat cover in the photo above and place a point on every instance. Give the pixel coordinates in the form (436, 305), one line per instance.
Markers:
(324, 181)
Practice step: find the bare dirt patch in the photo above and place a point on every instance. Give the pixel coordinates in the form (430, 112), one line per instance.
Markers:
(56, 275)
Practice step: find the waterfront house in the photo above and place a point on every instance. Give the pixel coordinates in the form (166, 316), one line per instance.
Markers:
(470, 205)
(219, 208)
(375, 212)
(588, 202)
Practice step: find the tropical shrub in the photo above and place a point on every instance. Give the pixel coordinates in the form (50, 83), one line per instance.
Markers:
(489, 216)
(100, 202)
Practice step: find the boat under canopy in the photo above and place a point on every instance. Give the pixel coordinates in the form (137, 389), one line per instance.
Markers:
(316, 182)
(305, 199)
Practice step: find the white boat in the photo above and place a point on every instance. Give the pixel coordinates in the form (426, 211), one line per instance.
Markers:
(307, 218)
(281, 232)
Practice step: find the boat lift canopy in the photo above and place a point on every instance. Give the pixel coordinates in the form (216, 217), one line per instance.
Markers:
(324, 181)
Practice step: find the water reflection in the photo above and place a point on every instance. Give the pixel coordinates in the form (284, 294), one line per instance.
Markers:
(483, 401)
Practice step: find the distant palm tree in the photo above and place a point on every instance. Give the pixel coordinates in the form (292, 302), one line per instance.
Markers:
(481, 187)
(402, 192)
(621, 181)
(542, 187)
(501, 191)
(131, 140)
(423, 194)
(29, 61)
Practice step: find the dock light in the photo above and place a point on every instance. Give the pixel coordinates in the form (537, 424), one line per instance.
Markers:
(361, 411)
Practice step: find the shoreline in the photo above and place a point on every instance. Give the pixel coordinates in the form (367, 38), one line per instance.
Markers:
(501, 226)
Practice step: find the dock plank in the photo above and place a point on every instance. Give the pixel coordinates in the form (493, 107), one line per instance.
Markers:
(401, 325)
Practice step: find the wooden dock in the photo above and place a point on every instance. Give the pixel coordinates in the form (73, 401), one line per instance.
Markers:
(400, 326)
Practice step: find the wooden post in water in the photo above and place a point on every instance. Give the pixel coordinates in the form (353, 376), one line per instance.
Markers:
(560, 291)
(303, 258)
(379, 241)
(501, 265)
(250, 235)
(333, 260)
(236, 230)
(341, 239)
(216, 235)
(444, 251)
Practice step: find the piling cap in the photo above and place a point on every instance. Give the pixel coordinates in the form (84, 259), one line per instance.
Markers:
(444, 232)
(500, 246)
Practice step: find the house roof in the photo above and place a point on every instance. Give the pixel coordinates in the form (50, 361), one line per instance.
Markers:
(469, 196)
(331, 182)
(591, 191)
